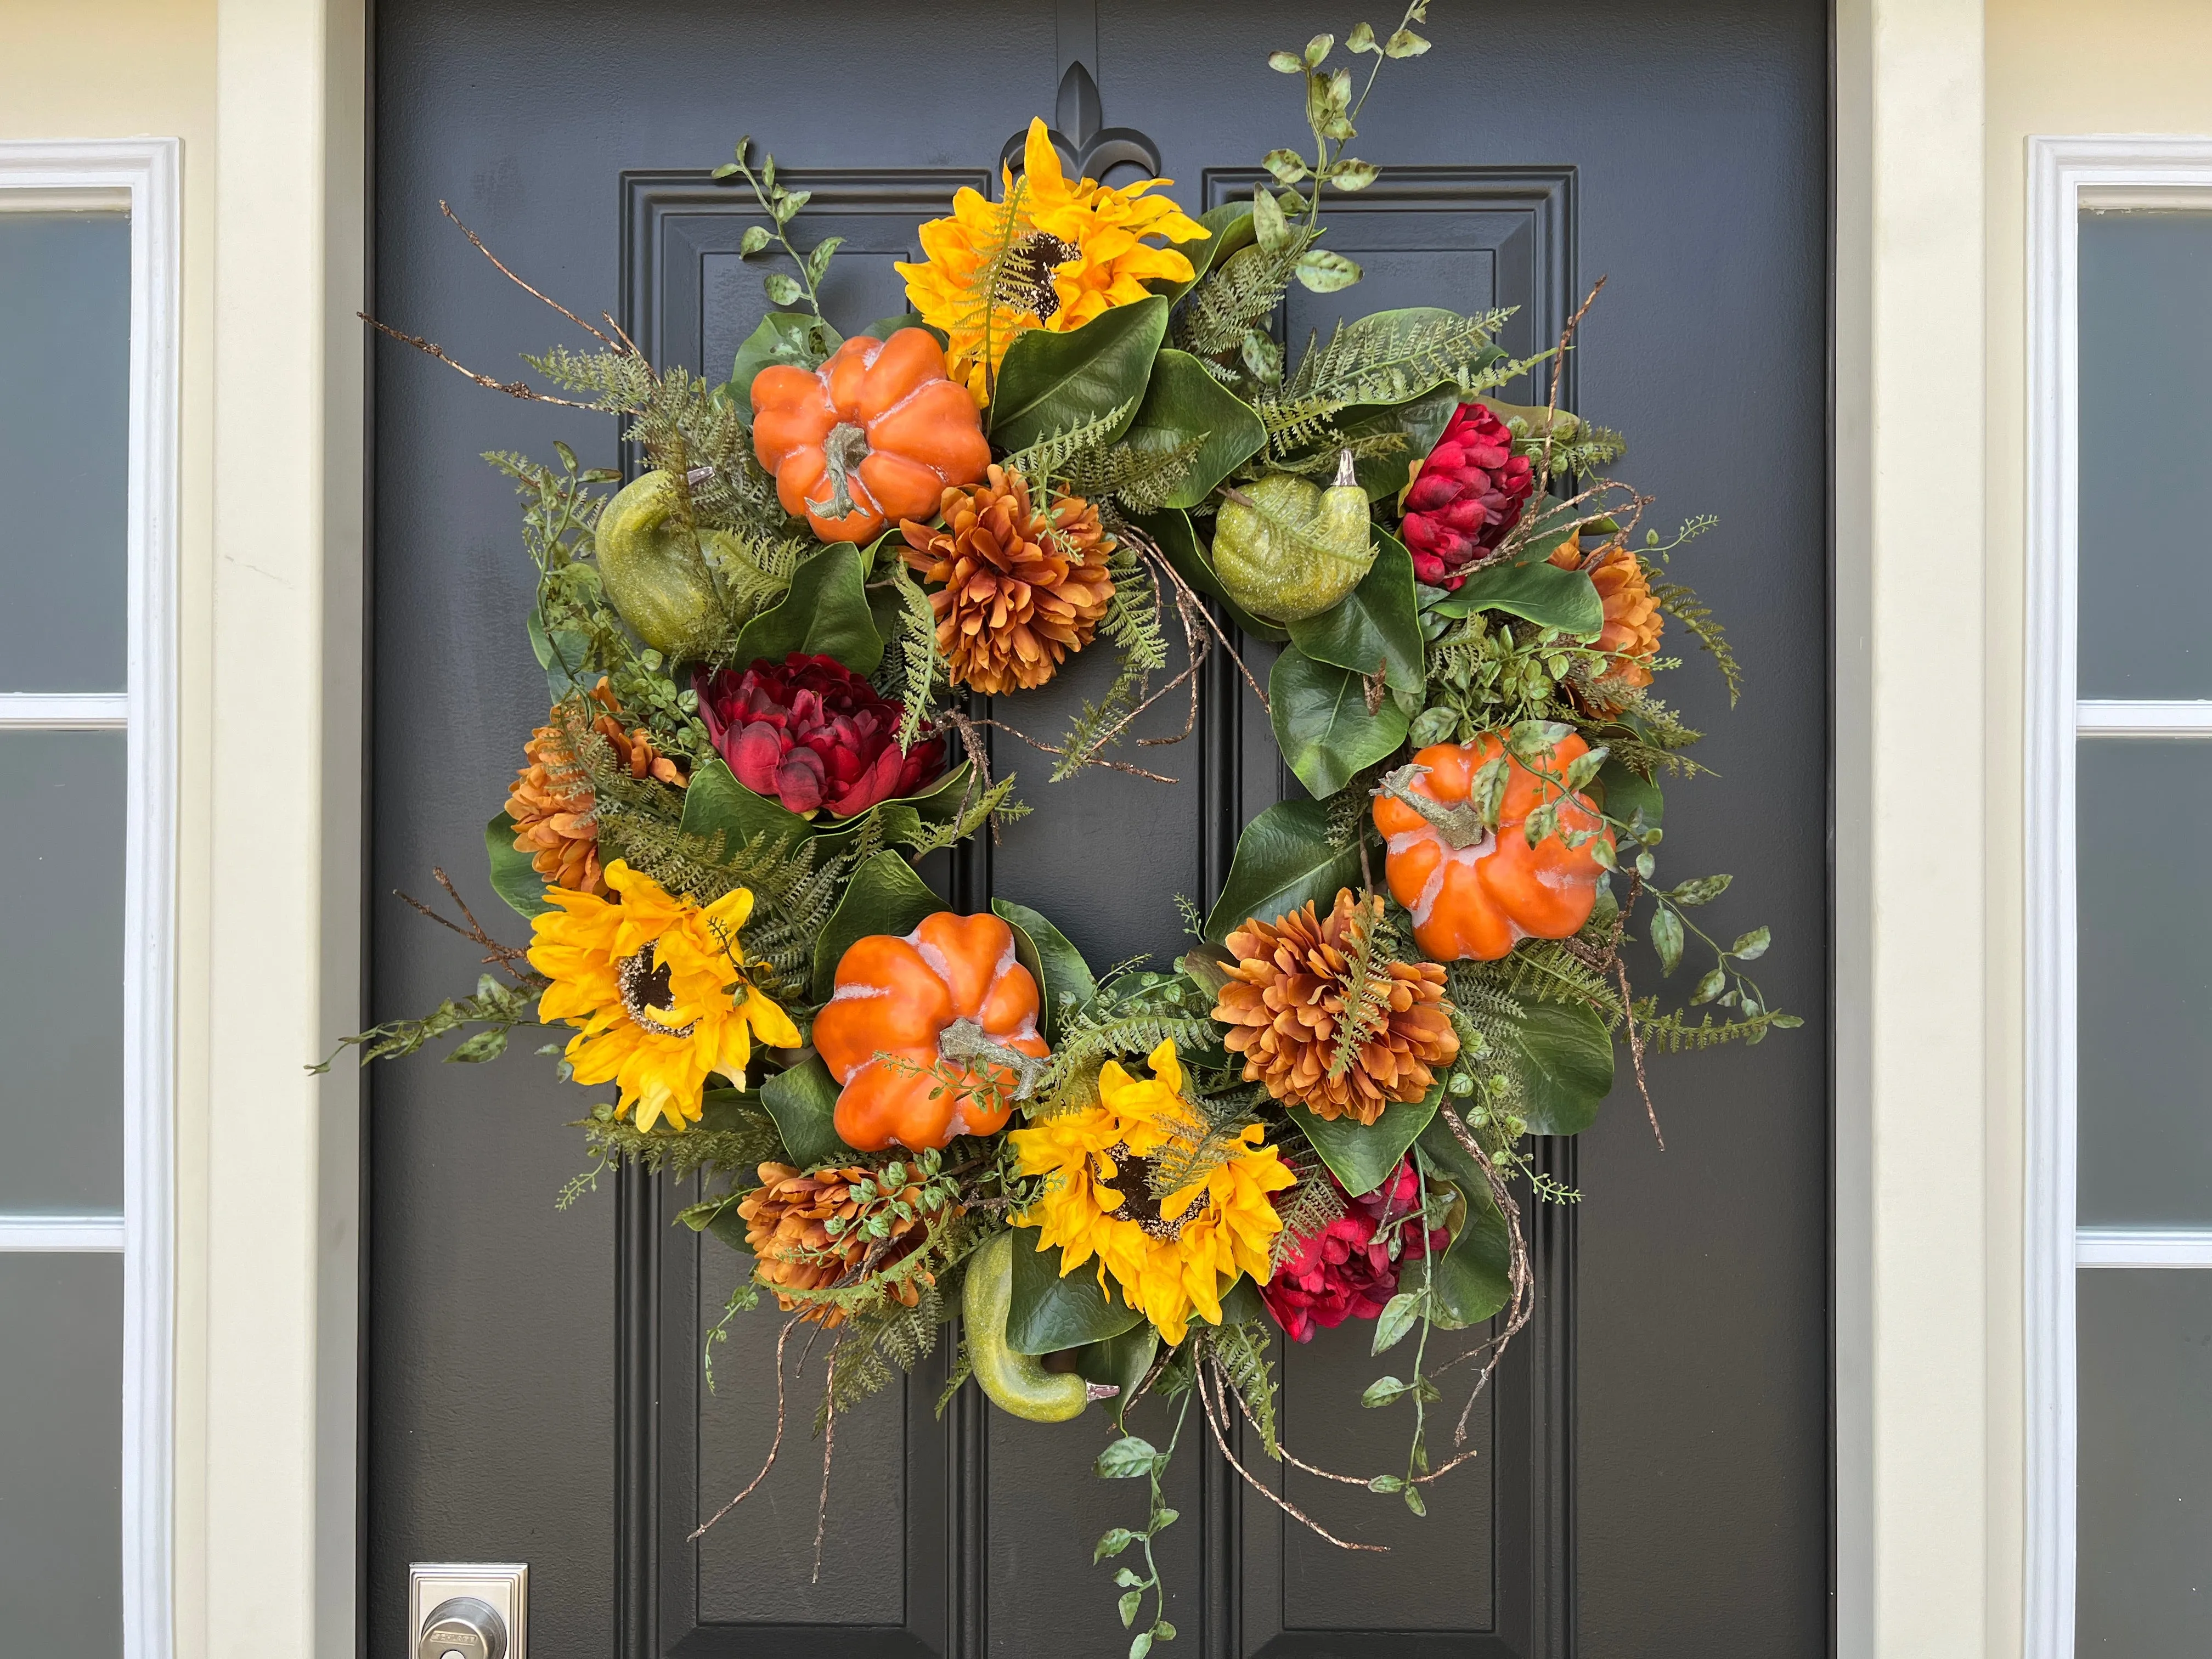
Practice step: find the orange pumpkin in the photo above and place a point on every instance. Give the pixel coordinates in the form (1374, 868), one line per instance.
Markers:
(873, 436)
(945, 995)
(1474, 893)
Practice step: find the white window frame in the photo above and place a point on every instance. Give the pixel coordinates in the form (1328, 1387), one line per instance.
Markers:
(2066, 175)
(143, 175)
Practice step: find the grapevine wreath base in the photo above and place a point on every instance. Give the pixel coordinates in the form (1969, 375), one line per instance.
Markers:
(765, 657)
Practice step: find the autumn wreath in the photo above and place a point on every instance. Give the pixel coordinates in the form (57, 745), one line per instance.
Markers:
(1086, 436)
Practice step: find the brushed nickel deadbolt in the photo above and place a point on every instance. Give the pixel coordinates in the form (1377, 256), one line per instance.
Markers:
(467, 1610)
(463, 1628)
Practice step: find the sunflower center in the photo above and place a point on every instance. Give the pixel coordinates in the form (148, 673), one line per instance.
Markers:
(1133, 1179)
(644, 988)
(1025, 281)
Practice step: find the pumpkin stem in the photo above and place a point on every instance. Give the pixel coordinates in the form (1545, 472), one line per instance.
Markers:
(964, 1042)
(1456, 824)
(843, 451)
(1346, 473)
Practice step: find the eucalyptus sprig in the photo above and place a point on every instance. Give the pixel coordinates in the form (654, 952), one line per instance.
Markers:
(781, 205)
(1331, 110)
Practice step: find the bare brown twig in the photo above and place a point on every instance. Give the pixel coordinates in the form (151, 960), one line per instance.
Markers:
(477, 241)
(1205, 1382)
(774, 1445)
(513, 388)
(504, 957)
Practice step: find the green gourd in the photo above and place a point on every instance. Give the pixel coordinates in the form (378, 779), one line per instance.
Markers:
(1285, 548)
(1016, 1383)
(653, 566)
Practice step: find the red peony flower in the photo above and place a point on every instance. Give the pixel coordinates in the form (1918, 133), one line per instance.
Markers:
(1349, 1270)
(810, 733)
(1466, 496)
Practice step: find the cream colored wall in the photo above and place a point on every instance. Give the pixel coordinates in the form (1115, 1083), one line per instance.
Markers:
(2052, 67)
(121, 69)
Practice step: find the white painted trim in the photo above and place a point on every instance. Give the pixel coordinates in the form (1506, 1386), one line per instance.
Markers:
(65, 711)
(22, 1233)
(2143, 1247)
(147, 172)
(2064, 175)
(2101, 718)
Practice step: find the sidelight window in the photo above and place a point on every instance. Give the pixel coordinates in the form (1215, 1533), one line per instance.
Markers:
(87, 391)
(2120, 899)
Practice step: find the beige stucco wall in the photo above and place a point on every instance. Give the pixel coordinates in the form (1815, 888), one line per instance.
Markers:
(2053, 67)
(123, 69)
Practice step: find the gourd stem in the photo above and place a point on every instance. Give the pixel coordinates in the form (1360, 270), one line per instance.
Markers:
(1346, 473)
(1455, 823)
(964, 1042)
(843, 451)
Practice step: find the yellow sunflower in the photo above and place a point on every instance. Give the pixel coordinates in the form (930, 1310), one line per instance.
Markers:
(1051, 255)
(659, 989)
(1172, 1256)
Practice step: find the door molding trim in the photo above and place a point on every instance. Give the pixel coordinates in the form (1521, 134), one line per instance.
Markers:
(2065, 174)
(143, 175)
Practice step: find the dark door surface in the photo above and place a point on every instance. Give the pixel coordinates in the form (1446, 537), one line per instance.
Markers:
(1654, 1476)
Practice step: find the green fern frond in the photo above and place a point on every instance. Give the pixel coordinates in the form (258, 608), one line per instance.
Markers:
(1241, 1350)
(1240, 293)
(1682, 603)
(1672, 1034)
(1052, 456)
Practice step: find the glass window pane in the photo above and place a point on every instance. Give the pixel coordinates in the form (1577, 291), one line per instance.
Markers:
(64, 448)
(2145, 1516)
(2145, 1000)
(2146, 426)
(61, 976)
(61, 1459)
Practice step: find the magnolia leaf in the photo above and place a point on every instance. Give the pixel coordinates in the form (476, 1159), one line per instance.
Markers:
(1060, 968)
(783, 337)
(1230, 231)
(883, 327)
(756, 237)
(1377, 625)
(1405, 44)
(884, 895)
(1183, 403)
(1051, 1312)
(1623, 793)
(1362, 38)
(782, 289)
(1287, 63)
(1268, 224)
(901, 820)
(1753, 945)
(1121, 1363)
(513, 878)
(1349, 174)
(803, 1100)
(717, 801)
(1536, 592)
(1051, 382)
(823, 613)
(1563, 1056)
(1714, 982)
(1178, 539)
(1362, 1156)
(1317, 50)
(1284, 858)
(1287, 164)
(1418, 423)
(1322, 723)
(1322, 271)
